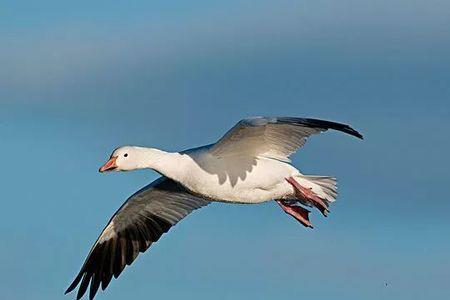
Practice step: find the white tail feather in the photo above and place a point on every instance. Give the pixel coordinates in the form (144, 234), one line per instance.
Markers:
(323, 186)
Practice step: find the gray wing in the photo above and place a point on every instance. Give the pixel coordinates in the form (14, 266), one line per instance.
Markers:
(141, 220)
(274, 137)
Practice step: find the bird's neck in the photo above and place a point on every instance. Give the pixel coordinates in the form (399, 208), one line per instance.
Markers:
(168, 164)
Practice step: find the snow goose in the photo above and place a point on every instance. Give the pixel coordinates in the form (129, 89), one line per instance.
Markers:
(249, 164)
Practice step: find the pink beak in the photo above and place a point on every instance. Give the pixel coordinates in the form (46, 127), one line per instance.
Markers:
(109, 165)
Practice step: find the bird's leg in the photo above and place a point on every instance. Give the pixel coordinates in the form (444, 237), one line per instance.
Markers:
(308, 195)
(299, 213)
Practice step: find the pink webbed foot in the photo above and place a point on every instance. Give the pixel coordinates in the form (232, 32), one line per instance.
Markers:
(299, 213)
(308, 195)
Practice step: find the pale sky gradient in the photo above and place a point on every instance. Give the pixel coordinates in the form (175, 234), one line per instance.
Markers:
(79, 79)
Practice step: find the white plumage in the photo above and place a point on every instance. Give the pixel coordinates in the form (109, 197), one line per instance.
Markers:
(249, 164)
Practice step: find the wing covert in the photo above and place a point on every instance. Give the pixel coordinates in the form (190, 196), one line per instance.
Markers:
(274, 137)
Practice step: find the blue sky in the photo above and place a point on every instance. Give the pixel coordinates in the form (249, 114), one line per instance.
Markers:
(79, 79)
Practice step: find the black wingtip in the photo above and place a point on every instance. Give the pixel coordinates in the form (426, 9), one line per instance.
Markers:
(73, 285)
(341, 127)
(353, 132)
(317, 123)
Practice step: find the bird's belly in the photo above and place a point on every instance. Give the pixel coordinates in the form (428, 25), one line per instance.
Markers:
(264, 182)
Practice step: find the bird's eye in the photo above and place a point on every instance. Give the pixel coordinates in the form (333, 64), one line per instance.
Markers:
(126, 155)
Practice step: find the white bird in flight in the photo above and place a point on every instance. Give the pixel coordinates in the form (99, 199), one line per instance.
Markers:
(249, 164)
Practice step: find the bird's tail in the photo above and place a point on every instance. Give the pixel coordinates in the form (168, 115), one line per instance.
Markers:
(325, 187)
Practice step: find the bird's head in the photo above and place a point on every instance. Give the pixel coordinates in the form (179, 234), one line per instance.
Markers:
(125, 158)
